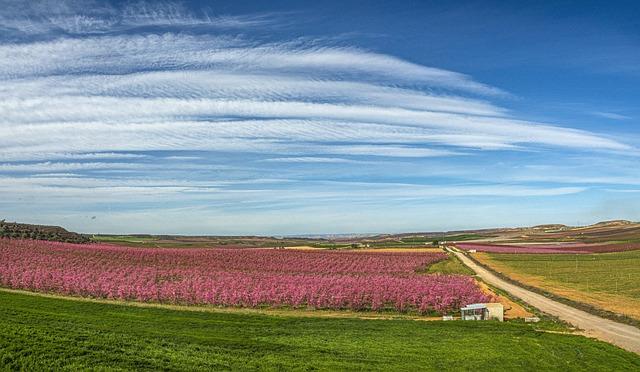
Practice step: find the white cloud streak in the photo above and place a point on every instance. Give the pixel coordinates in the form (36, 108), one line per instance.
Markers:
(62, 167)
(103, 190)
(177, 92)
(135, 53)
(89, 17)
(610, 115)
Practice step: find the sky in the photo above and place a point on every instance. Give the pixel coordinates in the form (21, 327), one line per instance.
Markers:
(290, 118)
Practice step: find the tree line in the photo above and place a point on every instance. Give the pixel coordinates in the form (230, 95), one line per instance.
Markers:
(13, 230)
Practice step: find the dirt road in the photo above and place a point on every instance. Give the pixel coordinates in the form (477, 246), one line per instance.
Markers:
(625, 336)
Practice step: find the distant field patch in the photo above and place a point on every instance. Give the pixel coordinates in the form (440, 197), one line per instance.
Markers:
(561, 248)
(605, 280)
(401, 249)
(452, 265)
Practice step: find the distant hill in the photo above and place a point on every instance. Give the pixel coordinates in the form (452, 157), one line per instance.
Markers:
(606, 231)
(620, 231)
(551, 227)
(15, 230)
(614, 223)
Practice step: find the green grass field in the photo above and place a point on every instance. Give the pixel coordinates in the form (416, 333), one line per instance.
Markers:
(39, 333)
(613, 273)
(449, 266)
(606, 283)
(418, 241)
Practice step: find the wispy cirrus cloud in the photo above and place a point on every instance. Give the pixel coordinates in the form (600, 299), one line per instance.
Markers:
(610, 115)
(172, 51)
(180, 91)
(58, 167)
(97, 189)
(312, 159)
(212, 79)
(47, 18)
(624, 190)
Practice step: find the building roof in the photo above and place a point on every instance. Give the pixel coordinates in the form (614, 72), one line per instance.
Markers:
(474, 307)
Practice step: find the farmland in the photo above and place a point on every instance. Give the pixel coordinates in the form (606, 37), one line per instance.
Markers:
(605, 280)
(566, 248)
(603, 233)
(452, 265)
(178, 241)
(38, 333)
(238, 277)
(144, 302)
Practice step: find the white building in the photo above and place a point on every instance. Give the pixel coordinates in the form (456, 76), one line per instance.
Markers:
(488, 311)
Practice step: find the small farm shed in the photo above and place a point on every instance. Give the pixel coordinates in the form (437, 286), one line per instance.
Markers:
(488, 311)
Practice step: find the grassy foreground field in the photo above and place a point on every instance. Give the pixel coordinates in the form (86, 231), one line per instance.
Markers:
(605, 280)
(47, 333)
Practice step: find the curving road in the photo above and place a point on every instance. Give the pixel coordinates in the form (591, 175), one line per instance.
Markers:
(622, 335)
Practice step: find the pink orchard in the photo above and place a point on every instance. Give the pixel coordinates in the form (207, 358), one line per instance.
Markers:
(237, 277)
(565, 248)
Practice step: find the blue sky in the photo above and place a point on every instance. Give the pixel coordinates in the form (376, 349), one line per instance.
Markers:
(284, 117)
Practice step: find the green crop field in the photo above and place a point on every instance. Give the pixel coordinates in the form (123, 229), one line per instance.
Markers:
(606, 281)
(614, 273)
(40, 333)
(452, 265)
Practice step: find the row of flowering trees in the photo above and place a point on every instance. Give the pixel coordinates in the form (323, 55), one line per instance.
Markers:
(233, 277)
(561, 248)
